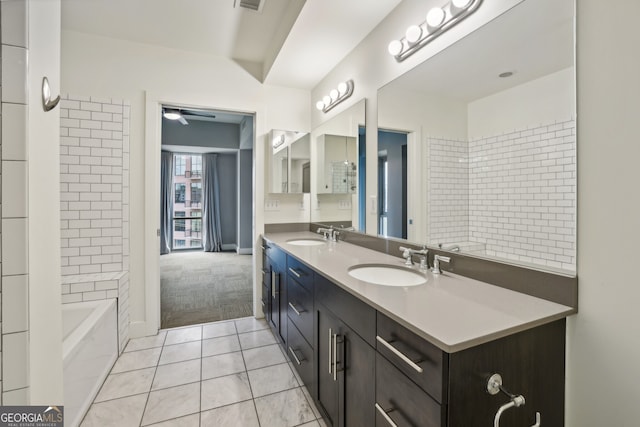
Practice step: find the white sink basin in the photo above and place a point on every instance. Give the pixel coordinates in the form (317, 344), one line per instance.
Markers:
(306, 242)
(387, 275)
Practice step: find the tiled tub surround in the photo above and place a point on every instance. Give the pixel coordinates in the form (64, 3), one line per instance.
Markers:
(222, 374)
(101, 286)
(450, 311)
(14, 227)
(519, 194)
(94, 202)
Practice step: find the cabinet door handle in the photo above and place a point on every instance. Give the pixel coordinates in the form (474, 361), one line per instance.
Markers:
(330, 350)
(335, 357)
(386, 416)
(293, 353)
(293, 307)
(273, 284)
(295, 273)
(398, 353)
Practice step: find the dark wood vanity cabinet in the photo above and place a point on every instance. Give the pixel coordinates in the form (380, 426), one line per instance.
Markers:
(363, 368)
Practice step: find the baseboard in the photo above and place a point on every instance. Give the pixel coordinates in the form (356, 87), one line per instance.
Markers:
(244, 251)
(229, 246)
(138, 329)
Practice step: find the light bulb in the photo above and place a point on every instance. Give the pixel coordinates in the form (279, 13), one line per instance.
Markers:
(460, 4)
(327, 100)
(342, 88)
(395, 47)
(435, 17)
(320, 105)
(334, 94)
(413, 34)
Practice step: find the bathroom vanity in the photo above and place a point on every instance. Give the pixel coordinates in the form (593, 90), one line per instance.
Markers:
(410, 355)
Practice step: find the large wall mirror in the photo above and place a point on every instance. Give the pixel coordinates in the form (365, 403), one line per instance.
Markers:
(339, 167)
(481, 141)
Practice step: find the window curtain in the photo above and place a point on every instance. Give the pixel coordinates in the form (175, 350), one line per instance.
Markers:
(211, 234)
(166, 205)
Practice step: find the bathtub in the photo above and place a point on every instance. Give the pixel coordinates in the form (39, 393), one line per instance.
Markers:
(89, 350)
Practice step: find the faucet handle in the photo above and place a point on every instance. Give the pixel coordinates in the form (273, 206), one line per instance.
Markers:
(436, 263)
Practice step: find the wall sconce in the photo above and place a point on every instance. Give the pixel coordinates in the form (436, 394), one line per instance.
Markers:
(438, 20)
(277, 142)
(336, 96)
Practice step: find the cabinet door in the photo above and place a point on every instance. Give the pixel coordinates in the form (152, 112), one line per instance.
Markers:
(328, 382)
(274, 300)
(346, 373)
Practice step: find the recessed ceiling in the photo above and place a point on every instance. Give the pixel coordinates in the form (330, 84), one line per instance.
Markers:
(294, 43)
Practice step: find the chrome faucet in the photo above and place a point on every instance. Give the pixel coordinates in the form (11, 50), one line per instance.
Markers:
(407, 254)
(436, 263)
(452, 248)
(326, 232)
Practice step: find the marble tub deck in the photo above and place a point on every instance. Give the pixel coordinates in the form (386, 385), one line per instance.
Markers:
(223, 374)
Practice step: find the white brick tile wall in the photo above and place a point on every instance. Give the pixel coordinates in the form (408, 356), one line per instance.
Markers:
(514, 194)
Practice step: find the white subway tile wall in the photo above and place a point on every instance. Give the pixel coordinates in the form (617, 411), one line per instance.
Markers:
(448, 203)
(94, 202)
(14, 281)
(514, 194)
(94, 199)
(522, 194)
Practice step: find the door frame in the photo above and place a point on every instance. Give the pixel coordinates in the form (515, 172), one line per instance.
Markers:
(153, 144)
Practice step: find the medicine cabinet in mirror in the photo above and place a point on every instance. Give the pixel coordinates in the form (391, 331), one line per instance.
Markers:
(338, 150)
(489, 126)
(289, 167)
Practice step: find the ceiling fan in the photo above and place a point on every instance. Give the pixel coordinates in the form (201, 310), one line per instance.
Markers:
(180, 114)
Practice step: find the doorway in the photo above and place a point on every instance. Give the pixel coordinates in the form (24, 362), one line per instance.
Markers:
(392, 184)
(205, 262)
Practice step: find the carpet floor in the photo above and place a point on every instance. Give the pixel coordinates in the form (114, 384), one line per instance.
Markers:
(201, 287)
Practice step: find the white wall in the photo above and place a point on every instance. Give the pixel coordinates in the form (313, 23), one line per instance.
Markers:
(371, 67)
(541, 101)
(603, 344)
(45, 323)
(98, 66)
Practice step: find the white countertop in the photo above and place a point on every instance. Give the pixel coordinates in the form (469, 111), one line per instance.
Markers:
(450, 311)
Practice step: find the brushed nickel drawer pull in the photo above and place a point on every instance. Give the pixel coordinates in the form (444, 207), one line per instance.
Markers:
(330, 350)
(386, 416)
(293, 307)
(295, 273)
(293, 353)
(335, 357)
(398, 353)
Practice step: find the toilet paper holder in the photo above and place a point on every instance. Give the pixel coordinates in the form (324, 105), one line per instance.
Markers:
(494, 386)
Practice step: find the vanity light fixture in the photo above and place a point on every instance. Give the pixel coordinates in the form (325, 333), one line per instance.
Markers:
(277, 142)
(438, 20)
(336, 96)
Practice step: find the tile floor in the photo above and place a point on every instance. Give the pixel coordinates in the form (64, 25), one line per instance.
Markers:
(222, 374)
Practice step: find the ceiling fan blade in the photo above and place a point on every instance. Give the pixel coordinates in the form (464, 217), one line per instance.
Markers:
(183, 120)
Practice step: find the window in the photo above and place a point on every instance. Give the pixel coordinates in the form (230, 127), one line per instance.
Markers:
(196, 166)
(196, 225)
(196, 243)
(196, 193)
(181, 164)
(178, 243)
(180, 192)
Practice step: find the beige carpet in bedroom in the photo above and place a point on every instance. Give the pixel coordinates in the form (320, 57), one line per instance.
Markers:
(198, 287)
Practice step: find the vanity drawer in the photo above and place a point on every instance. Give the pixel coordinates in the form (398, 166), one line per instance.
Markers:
(412, 354)
(300, 308)
(300, 272)
(355, 313)
(300, 353)
(403, 401)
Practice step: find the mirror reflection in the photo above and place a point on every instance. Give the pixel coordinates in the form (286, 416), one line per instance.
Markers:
(290, 162)
(339, 165)
(488, 131)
